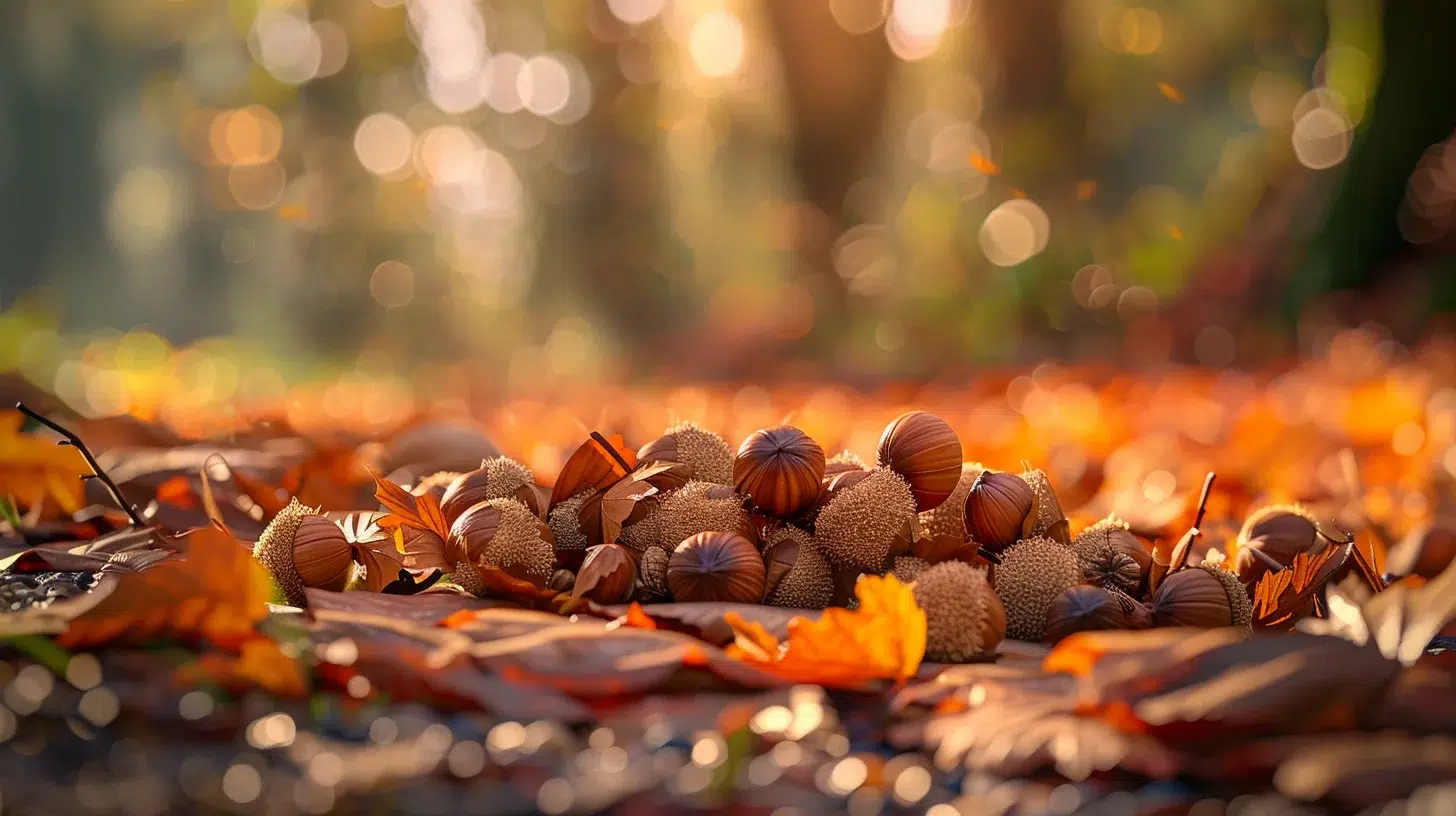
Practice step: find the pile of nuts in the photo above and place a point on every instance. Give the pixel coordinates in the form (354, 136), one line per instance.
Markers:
(989, 553)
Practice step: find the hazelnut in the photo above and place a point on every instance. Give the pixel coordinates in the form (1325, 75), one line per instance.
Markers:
(996, 509)
(716, 566)
(499, 478)
(1111, 556)
(652, 575)
(506, 534)
(1084, 609)
(608, 575)
(779, 470)
(562, 580)
(923, 449)
(705, 452)
(1280, 532)
(303, 549)
(1203, 596)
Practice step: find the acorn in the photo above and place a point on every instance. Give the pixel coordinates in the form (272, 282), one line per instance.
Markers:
(964, 618)
(1046, 518)
(652, 575)
(795, 572)
(996, 509)
(779, 470)
(716, 566)
(907, 568)
(1426, 551)
(1086, 609)
(1204, 596)
(926, 452)
(608, 575)
(865, 523)
(562, 580)
(1111, 556)
(499, 478)
(302, 549)
(571, 542)
(1032, 573)
(710, 457)
(504, 533)
(1280, 532)
(943, 534)
(843, 462)
(699, 507)
(435, 484)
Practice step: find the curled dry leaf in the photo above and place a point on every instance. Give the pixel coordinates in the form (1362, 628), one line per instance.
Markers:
(382, 560)
(605, 512)
(598, 462)
(884, 639)
(1284, 596)
(608, 575)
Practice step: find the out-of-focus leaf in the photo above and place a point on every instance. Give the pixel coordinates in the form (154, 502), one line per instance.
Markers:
(884, 639)
(215, 592)
(141, 547)
(258, 664)
(708, 621)
(1358, 771)
(33, 466)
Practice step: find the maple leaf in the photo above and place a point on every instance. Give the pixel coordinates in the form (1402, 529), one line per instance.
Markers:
(216, 592)
(34, 467)
(882, 640)
(419, 512)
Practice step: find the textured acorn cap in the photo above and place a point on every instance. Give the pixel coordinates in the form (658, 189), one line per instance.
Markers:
(498, 478)
(707, 452)
(907, 568)
(1046, 507)
(565, 524)
(809, 583)
(518, 546)
(468, 578)
(700, 507)
(860, 525)
(1032, 573)
(1110, 556)
(1240, 606)
(646, 532)
(964, 618)
(652, 574)
(948, 520)
(274, 549)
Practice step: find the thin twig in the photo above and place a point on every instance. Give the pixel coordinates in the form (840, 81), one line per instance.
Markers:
(75, 442)
(611, 451)
(1203, 498)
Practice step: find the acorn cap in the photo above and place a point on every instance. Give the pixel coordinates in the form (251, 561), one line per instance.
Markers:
(698, 507)
(907, 568)
(964, 618)
(571, 542)
(498, 478)
(943, 529)
(504, 533)
(796, 574)
(1239, 602)
(274, 550)
(1047, 518)
(710, 457)
(862, 523)
(1032, 573)
(1111, 556)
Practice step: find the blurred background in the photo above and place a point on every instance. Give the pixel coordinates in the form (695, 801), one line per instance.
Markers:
(218, 199)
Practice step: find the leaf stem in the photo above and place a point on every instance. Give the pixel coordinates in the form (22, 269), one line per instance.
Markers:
(75, 442)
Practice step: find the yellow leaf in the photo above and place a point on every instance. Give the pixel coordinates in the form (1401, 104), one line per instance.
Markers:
(882, 640)
(259, 664)
(33, 467)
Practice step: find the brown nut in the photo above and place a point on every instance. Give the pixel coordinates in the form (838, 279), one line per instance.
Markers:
(705, 452)
(562, 580)
(1084, 609)
(716, 566)
(1204, 597)
(1280, 532)
(1111, 556)
(499, 478)
(504, 533)
(996, 509)
(608, 575)
(652, 575)
(926, 452)
(322, 554)
(779, 470)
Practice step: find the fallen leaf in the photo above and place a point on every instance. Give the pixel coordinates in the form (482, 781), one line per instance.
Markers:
(593, 464)
(381, 558)
(33, 466)
(258, 664)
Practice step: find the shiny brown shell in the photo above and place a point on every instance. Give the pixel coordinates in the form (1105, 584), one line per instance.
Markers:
(1192, 597)
(1280, 532)
(779, 470)
(1084, 609)
(608, 575)
(716, 566)
(926, 452)
(996, 509)
(322, 554)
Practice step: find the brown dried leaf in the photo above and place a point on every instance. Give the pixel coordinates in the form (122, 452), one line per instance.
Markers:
(1282, 597)
(592, 465)
(381, 559)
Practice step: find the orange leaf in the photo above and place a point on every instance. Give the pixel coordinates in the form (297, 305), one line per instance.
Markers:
(1171, 93)
(259, 664)
(882, 640)
(1176, 233)
(420, 512)
(177, 491)
(271, 499)
(33, 466)
(592, 465)
(216, 592)
(637, 619)
(983, 164)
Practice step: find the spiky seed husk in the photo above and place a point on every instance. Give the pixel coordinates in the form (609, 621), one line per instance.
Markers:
(565, 524)
(518, 546)
(948, 521)
(809, 584)
(908, 568)
(858, 527)
(707, 452)
(274, 549)
(1049, 519)
(963, 616)
(652, 575)
(498, 478)
(468, 578)
(1033, 572)
(646, 532)
(700, 507)
(506, 476)
(1109, 555)
(1240, 607)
